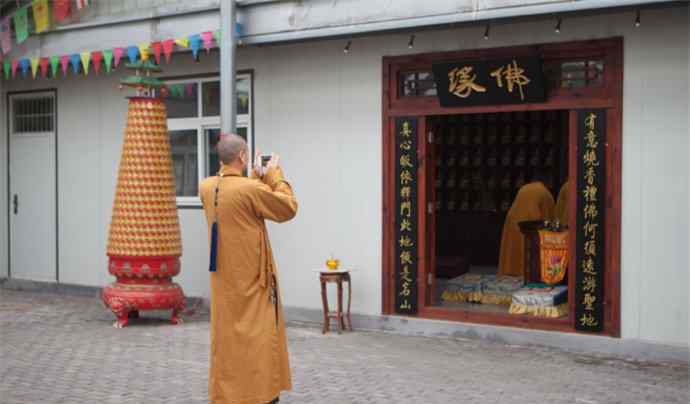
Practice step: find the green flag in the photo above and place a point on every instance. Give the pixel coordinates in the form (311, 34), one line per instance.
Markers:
(54, 65)
(7, 68)
(216, 36)
(108, 59)
(21, 23)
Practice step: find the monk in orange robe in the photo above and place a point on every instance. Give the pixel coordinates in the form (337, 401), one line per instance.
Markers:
(561, 211)
(533, 202)
(249, 357)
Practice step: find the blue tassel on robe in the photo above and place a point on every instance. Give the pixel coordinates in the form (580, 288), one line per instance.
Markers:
(214, 247)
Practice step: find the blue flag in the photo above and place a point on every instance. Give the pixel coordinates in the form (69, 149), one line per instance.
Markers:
(75, 61)
(195, 44)
(132, 53)
(25, 65)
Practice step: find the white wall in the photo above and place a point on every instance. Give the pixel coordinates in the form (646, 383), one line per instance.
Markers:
(321, 109)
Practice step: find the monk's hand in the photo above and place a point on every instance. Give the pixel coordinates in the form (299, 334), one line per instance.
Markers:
(272, 170)
(274, 162)
(257, 171)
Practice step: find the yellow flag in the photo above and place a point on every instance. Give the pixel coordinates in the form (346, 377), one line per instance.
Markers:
(41, 18)
(144, 51)
(85, 61)
(34, 66)
(183, 42)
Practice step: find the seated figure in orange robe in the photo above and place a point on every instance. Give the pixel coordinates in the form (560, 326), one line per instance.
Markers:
(533, 202)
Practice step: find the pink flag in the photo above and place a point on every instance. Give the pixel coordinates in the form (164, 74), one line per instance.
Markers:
(6, 36)
(96, 58)
(189, 89)
(15, 65)
(44, 66)
(207, 37)
(156, 46)
(168, 48)
(64, 62)
(118, 54)
(82, 3)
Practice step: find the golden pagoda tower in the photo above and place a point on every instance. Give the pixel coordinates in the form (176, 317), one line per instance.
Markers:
(144, 245)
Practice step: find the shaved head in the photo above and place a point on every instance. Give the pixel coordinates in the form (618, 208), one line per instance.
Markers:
(230, 147)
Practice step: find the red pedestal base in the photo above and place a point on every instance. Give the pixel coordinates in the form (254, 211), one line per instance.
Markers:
(143, 284)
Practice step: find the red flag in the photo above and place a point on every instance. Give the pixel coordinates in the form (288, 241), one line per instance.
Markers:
(44, 66)
(156, 46)
(96, 57)
(15, 64)
(61, 9)
(168, 48)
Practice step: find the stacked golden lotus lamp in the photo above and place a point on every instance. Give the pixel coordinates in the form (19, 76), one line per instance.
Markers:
(144, 245)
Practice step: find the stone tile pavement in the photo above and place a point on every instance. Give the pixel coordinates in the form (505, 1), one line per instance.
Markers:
(62, 349)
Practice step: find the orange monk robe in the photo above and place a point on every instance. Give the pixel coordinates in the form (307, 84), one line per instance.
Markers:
(249, 357)
(533, 202)
(561, 211)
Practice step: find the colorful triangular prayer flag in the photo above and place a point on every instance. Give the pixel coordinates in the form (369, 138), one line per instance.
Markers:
(168, 45)
(157, 48)
(108, 59)
(54, 63)
(97, 57)
(60, 9)
(7, 69)
(144, 51)
(34, 66)
(182, 42)
(195, 44)
(132, 53)
(75, 61)
(21, 23)
(25, 66)
(118, 55)
(216, 36)
(40, 12)
(15, 64)
(6, 35)
(44, 67)
(189, 89)
(207, 38)
(64, 62)
(85, 61)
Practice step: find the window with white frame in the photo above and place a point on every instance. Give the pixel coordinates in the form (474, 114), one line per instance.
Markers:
(194, 127)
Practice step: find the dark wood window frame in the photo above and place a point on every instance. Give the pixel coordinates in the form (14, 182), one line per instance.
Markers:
(609, 96)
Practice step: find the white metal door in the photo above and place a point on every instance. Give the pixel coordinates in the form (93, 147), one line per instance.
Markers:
(32, 198)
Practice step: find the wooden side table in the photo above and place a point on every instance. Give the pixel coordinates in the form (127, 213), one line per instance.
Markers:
(338, 277)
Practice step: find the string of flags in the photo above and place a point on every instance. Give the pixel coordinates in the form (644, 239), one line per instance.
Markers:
(41, 11)
(110, 58)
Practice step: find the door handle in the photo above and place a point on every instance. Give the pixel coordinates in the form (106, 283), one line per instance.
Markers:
(15, 203)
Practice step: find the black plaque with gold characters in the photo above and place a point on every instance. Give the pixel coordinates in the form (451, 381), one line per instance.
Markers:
(493, 82)
(589, 278)
(406, 215)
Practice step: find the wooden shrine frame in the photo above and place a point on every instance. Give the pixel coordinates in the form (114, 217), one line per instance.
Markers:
(608, 96)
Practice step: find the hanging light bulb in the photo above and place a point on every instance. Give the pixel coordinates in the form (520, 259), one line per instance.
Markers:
(410, 43)
(486, 32)
(347, 47)
(637, 19)
(558, 26)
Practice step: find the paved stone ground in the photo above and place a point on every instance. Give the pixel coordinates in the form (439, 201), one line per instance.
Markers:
(59, 349)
